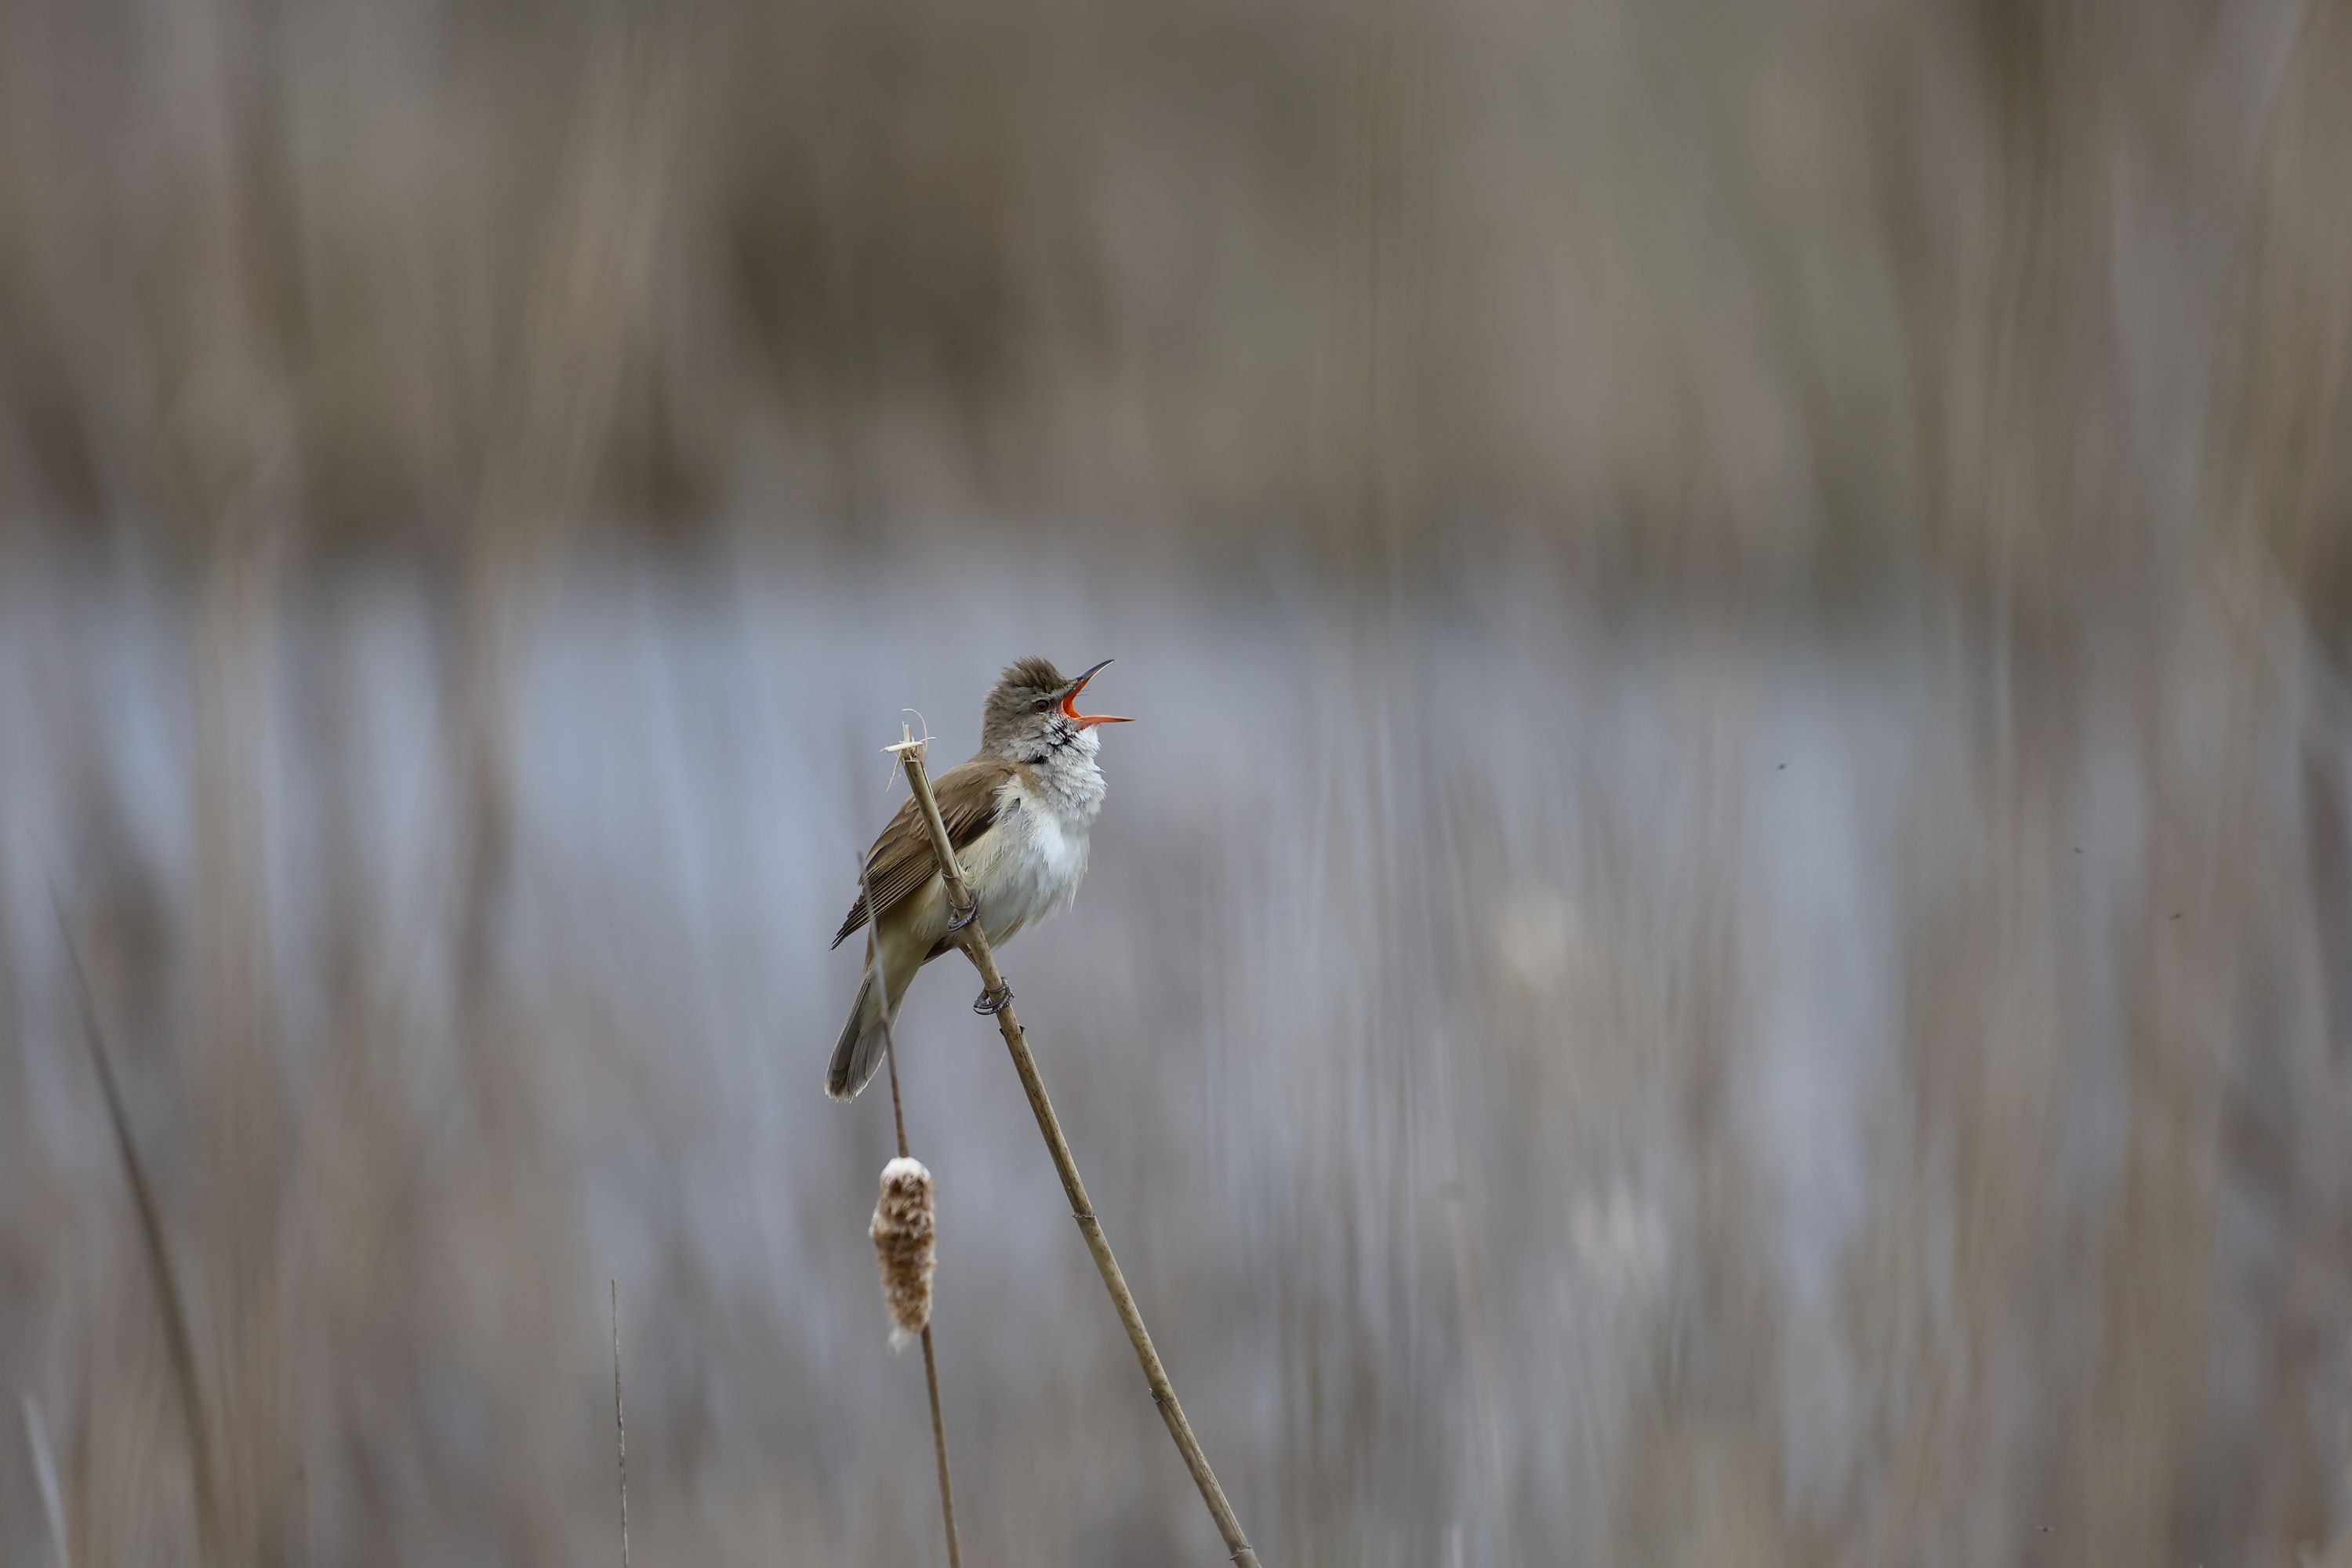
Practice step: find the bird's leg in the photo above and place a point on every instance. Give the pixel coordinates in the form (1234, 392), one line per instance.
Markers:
(961, 915)
(990, 1003)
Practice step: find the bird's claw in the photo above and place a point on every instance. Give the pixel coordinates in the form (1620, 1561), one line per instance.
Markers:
(990, 1003)
(961, 915)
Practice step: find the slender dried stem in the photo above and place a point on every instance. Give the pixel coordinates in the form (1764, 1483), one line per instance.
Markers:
(930, 1357)
(620, 1425)
(44, 1476)
(179, 1344)
(1163, 1392)
(939, 1448)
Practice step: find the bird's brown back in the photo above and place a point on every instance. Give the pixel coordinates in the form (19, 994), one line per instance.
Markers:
(902, 861)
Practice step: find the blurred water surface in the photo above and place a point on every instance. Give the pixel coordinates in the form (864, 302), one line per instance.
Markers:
(1562, 1080)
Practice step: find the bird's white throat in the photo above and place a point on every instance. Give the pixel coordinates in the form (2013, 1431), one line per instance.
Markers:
(1029, 864)
(1069, 783)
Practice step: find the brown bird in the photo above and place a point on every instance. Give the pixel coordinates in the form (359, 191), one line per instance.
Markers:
(1017, 815)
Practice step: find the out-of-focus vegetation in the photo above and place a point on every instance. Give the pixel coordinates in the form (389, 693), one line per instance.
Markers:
(1729, 940)
(1724, 290)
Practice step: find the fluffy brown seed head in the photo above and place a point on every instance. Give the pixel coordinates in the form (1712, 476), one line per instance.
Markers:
(904, 1231)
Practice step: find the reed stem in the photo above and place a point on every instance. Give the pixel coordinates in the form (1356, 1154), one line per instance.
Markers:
(620, 1425)
(179, 1344)
(930, 1357)
(974, 943)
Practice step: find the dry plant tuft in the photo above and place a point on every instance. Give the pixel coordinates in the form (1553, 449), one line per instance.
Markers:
(906, 1244)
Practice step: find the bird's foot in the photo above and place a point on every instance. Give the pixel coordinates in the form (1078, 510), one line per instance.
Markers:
(961, 915)
(990, 1003)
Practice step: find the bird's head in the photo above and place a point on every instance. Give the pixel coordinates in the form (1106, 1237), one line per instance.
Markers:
(1033, 713)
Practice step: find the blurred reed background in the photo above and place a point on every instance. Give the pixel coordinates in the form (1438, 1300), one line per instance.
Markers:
(1727, 940)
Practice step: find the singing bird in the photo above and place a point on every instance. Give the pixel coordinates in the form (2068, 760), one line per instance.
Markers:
(1017, 815)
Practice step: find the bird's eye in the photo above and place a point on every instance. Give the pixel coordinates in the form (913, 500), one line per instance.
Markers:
(1041, 705)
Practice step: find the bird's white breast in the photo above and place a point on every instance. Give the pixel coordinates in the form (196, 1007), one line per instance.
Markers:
(1036, 853)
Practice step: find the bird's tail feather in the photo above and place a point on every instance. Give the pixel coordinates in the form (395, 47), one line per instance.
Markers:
(857, 1055)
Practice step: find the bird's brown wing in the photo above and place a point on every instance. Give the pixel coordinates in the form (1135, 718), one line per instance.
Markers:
(901, 859)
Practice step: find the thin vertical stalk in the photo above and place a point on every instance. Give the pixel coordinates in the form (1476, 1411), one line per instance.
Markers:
(930, 1357)
(178, 1343)
(620, 1425)
(44, 1476)
(974, 943)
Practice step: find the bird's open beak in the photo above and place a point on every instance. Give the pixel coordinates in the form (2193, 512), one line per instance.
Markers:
(1070, 704)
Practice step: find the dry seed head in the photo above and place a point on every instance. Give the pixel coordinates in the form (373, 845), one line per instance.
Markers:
(906, 1232)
